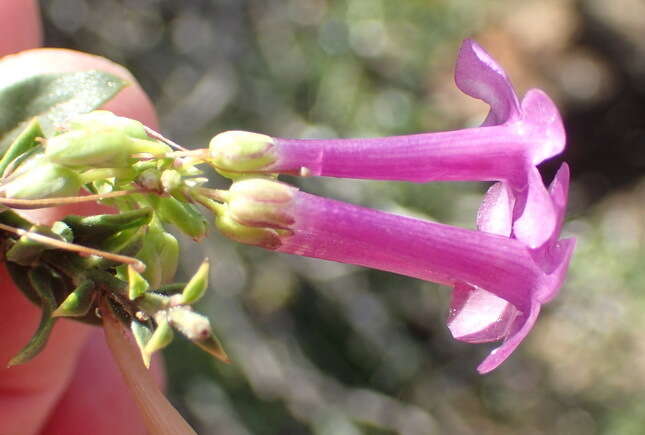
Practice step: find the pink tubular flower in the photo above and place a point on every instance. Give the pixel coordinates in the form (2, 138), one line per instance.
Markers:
(514, 138)
(499, 283)
(501, 274)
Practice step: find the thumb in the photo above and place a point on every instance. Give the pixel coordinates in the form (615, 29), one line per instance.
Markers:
(29, 392)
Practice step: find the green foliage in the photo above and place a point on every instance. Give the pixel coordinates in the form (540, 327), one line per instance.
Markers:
(53, 98)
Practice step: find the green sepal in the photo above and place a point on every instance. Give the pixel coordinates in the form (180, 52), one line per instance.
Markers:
(26, 251)
(142, 335)
(24, 142)
(160, 338)
(78, 302)
(197, 285)
(137, 284)
(196, 328)
(40, 280)
(257, 236)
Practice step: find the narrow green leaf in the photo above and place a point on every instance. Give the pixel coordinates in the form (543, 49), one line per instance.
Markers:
(41, 283)
(142, 335)
(25, 140)
(53, 98)
(78, 302)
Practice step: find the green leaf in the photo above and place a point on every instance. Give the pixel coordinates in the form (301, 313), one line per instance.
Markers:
(53, 98)
(41, 283)
(25, 141)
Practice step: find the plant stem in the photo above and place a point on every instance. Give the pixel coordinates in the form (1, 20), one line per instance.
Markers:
(159, 416)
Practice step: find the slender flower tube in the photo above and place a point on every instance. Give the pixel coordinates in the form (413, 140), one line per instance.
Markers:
(515, 137)
(515, 280)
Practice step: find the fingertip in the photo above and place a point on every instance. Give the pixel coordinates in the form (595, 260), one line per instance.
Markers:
(97, 400)
(19, 25)
(131, 102)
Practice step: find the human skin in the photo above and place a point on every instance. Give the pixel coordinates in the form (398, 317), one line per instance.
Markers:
(73, 386)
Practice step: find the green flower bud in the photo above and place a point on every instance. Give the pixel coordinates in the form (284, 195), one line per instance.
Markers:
(171, 180)
(100, 119)
(183, 215)
(101, 148)
(137, 285)
(241, 151)
(197, 285)
(160, 253)
(42, 180)
(261, 202)
(160, 338)
(108, 148)
(78, 302)
(256, 236)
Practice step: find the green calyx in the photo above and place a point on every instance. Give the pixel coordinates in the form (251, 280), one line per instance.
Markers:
(242, 151)
(261, 202)
(41, 179)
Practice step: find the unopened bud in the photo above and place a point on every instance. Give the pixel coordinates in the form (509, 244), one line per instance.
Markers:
(261, 202)
(242, 151)
(100, 119)
(108, 148)
(43, 180)
(197, 285)
(78, 302)
(160, 253)
(171, 180)
(183, 215)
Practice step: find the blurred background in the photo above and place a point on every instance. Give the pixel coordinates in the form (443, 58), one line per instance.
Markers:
(331, 349)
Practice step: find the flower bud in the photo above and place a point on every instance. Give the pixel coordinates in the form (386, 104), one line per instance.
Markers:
(78, 302)
(183, 215)
(100, 119)
(171, 180)
(43, 180)
(160, 253)
(261, 202)
(241, 151)
(107, 147)
(197, 285)
(256, 236)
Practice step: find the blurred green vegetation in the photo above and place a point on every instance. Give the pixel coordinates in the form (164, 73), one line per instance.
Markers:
(327, 348)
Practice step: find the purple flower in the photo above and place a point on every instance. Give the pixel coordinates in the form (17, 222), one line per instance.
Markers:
(501, 274)
(514, 138)
(499, 283)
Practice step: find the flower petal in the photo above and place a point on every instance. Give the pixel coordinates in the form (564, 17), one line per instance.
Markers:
(479, 76)
(543, 125)
(535, 215)
(495, 214)
(520, 329)
(478, 316)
